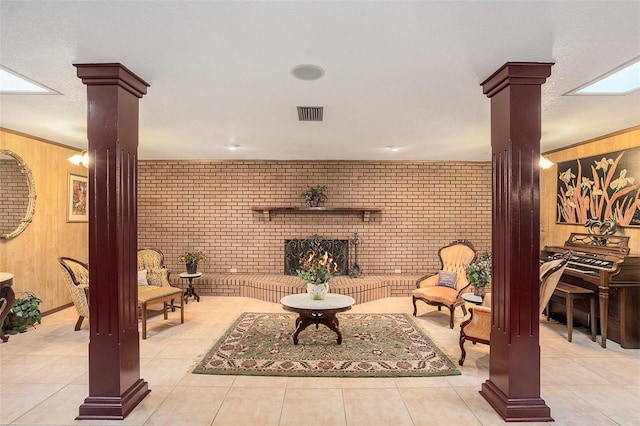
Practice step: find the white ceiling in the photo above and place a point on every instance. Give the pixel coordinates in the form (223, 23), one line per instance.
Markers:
(401, 74)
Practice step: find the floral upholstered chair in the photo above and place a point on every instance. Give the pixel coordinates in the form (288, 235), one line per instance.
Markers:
(76, 277)
(445, 287)
(152, 261)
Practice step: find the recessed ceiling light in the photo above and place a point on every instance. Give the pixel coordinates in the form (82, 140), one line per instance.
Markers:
(233, 147)
(393, 148)
(621, 81)
(307, 72)
(13, 83)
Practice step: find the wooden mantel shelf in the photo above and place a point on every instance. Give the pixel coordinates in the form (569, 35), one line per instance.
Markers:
(366, 211)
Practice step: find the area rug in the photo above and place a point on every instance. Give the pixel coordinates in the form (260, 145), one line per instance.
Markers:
(373, 345)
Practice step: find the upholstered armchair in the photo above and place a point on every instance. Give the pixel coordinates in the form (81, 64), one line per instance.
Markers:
(152, 261)
(445, 287)
(76, 278)
(476, 328)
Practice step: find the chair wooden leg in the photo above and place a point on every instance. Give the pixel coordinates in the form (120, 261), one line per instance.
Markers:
(415, 308)
(464, 310)
(463, 338)
(451, 310)
(143, 308)
(79, 323)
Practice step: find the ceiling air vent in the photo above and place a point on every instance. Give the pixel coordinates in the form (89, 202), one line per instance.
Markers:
(310, 113)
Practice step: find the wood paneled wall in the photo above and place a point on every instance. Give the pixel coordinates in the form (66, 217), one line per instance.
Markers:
(554, 234)
(33, 255)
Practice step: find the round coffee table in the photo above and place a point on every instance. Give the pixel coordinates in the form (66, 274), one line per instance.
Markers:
(317, 312)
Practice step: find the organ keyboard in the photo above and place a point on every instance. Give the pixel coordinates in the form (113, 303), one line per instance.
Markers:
(602, 263)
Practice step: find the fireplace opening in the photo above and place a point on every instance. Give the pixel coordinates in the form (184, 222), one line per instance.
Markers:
(301, 248)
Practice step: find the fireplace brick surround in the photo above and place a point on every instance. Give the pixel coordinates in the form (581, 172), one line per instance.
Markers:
(206, 205)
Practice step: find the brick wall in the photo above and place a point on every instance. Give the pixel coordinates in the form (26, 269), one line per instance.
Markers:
(206, 205)
(14, 193)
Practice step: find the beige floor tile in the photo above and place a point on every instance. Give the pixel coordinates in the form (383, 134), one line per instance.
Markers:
(188, 406)
(165, 371)
(260, 382)
(18, 398)
(613, 401)
(317, 406)
(430, 406)
(367, 383)
(64, 370)
(207, 380)
(616, 370)
(480, 408)
(568, 408)
(251, 406)
(565, 371)
(314, 383)
(375, 407)
(59, 409)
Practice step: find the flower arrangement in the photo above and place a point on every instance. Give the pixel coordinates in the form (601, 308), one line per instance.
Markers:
(193, 256)
(317, 269)
(315, 195)
(479, 272)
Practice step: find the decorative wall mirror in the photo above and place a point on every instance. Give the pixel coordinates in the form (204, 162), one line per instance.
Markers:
(17, 194)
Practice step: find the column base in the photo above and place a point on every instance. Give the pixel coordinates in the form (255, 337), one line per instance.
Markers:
(113, 407)
(515, 409)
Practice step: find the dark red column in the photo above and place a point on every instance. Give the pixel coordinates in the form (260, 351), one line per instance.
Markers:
(115, 386)
(513, 388)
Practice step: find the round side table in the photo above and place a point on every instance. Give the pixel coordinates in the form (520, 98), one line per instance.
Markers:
(190, 291)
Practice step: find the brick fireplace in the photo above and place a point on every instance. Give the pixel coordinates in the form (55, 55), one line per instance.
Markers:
(299, 248)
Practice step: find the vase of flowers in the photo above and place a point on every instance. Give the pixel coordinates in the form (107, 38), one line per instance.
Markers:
(191, 259)
(315, 195)
(479, 274)
(316, 271)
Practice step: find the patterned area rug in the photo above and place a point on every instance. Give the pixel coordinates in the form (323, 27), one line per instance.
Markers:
(373, 345)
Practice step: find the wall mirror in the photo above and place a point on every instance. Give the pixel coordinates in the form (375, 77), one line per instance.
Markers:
(17, 195)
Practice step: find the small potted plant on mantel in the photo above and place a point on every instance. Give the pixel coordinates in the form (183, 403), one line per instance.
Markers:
(315, 195)
(191, 259)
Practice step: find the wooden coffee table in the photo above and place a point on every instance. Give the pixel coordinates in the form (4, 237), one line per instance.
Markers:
(317, 311)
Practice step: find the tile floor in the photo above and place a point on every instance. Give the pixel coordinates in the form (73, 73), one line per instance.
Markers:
(43, 378)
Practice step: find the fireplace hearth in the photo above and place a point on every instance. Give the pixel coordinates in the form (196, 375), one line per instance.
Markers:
(300, 248)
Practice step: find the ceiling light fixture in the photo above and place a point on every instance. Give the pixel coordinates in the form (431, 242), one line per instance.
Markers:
(621, 81)
(307, 72)
(545, 163)
(12, 83)
(233, 147)
(80, 158)
(393, 148)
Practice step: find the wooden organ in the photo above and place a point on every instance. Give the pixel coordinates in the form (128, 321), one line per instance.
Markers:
(602, 263)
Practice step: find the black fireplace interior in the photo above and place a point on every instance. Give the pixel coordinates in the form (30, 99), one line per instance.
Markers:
(297, 249)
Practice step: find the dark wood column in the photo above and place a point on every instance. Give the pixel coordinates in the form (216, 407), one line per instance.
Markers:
(513, 388)
(115, 386)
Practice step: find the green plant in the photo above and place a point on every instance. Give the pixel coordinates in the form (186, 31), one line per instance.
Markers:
(193, 256)
(315, 195)
(25, 312)
(317, 269)
(479, 272)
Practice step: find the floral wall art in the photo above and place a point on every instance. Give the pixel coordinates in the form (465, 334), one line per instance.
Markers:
(600, 187)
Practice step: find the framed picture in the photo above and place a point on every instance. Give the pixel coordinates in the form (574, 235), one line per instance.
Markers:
(78, 199)
(601, 187)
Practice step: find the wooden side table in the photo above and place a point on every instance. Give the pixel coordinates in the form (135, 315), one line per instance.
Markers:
(190, 291)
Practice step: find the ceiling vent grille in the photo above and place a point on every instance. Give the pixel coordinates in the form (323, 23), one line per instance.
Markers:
(306, 113)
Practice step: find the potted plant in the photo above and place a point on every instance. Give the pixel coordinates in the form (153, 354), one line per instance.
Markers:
(316, 272)
(191, 259)
(315, 195)
(479, 273)
(25, 312)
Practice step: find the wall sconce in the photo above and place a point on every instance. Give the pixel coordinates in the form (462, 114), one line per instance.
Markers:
(545, 163)
(80, 158)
